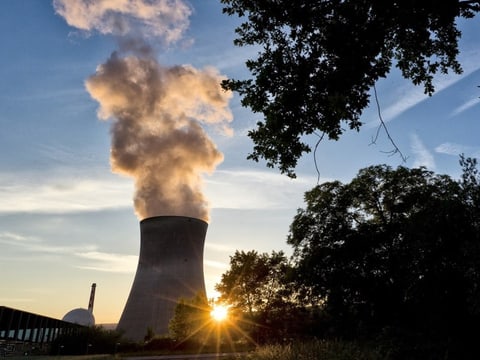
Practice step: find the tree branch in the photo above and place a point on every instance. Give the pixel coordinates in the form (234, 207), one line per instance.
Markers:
(320, 138)
(396, 149)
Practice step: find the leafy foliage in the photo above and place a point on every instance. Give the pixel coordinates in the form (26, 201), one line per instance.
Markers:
(319, 60)
(258, 288)
(89, 340)
(391, 259)
(394, 253)
(254, 280)
(190, 319)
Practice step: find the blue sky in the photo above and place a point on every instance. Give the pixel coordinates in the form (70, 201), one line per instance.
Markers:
(67, 221)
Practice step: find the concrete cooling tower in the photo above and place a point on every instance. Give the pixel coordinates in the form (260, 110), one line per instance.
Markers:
(170, 267)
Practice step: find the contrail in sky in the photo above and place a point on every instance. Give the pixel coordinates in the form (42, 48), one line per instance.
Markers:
(157, 112)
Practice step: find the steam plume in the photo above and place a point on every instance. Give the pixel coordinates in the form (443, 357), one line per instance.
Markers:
(156, 111)
(156, 134)
(162, 19)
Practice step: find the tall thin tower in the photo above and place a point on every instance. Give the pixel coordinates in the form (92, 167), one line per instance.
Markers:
(92, 298)
(170, 267)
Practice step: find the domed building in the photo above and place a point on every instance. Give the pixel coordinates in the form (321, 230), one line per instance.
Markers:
(83, 316)
(80, 316)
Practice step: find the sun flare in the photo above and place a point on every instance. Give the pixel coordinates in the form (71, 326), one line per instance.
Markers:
(219, 312)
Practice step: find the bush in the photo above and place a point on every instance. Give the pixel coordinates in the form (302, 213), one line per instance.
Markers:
(89, 340)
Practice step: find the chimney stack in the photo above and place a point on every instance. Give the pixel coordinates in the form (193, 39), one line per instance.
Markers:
(92, 298)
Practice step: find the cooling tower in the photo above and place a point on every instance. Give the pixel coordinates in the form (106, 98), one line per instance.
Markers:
(170, 267)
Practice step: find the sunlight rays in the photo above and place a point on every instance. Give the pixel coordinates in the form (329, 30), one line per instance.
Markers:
(217, 326)
(219, 313)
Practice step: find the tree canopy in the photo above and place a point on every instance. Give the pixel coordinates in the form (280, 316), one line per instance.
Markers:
(253, 281)
(191, 319)
(392, 257)
(258, 289)
(319, 59)
(394, 251)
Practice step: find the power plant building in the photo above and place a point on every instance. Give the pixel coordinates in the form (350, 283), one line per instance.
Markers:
(82, 316)
(170, 267)
(18, 326)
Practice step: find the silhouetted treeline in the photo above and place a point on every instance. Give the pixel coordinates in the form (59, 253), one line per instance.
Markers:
(391, 258)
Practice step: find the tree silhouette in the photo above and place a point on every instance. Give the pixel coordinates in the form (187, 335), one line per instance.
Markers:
(258, 288)
(395, 253)
(318, 61)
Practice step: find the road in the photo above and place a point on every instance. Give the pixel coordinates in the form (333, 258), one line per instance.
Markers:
(189, 357)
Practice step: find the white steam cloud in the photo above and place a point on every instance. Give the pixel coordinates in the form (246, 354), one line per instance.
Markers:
(157, 112)
(164, 19)
(156, 134)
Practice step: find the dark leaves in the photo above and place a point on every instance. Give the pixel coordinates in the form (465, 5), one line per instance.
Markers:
(319, 60)
(393, 248)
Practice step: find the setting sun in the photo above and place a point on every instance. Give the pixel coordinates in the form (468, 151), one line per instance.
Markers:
(219, 312)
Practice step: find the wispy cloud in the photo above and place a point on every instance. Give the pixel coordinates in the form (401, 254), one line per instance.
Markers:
(457, 149)
(108, 262)
(407, 95)
(465, 106)
(216, 264)
(63, 192)
(62, 195)
(450, 149)
(245, 189)
(37, 245)
(89, 257)
(423, 157)
(219, 247)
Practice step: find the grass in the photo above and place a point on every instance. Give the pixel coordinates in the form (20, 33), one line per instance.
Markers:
(316, 350)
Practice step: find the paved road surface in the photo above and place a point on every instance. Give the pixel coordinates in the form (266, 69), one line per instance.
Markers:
(188, 357)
